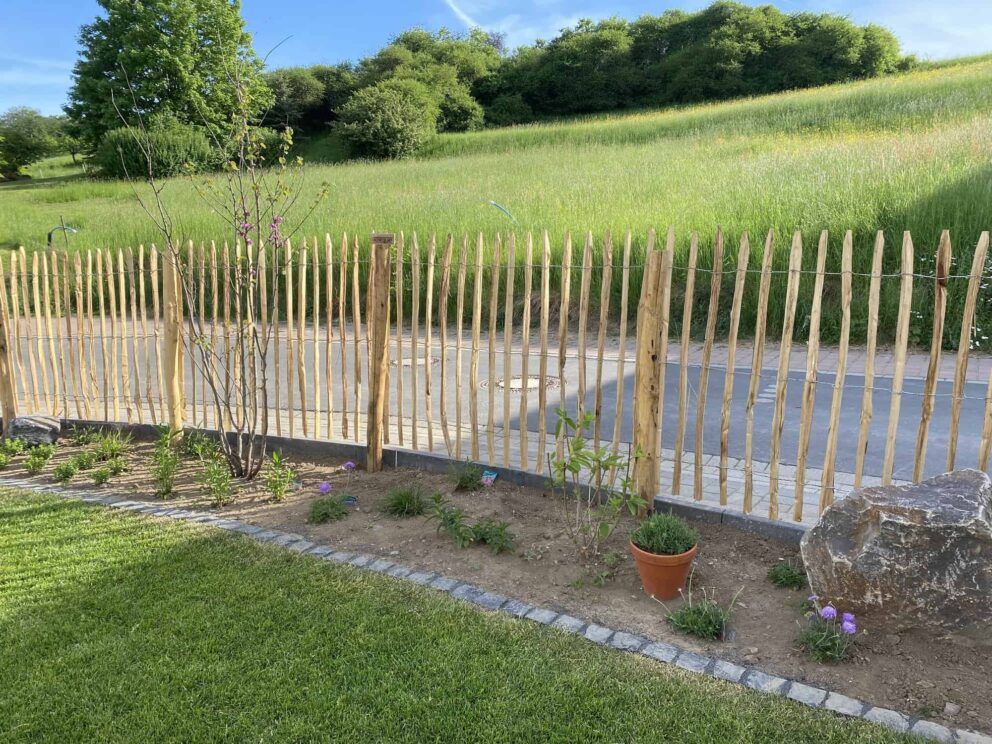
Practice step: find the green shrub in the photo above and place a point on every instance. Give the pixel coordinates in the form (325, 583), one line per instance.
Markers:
(705, 619)
(466, 476)
(101, 476)
(64, 472)
(83, 435)
(327, 509)
(195, 444)
(4, 460)
(83, 460)
(12, 447)
(495, 534)
(216, 481)
(38, 458)
(392, 119)
(451, 519)
(507, 110)
(111, 445)
(165, 462)
(665, 534)
(117, 466)
(787, 575)
(279, 476)
(174, 149)
(406, 501)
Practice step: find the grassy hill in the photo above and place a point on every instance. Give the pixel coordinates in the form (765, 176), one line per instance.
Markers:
(904, 152)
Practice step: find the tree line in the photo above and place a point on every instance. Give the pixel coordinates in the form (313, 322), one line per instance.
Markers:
(170, 70)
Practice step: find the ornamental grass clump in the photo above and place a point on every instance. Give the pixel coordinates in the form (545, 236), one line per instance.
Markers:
(327, 509)
(406, 501)
(665, 534)
(703, 618)
(787, 575)
(828, 635)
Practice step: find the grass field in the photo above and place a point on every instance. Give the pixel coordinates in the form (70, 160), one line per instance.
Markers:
(117, 629)
(908, 152)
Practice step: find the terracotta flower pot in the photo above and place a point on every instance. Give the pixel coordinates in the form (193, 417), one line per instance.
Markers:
(663, 575)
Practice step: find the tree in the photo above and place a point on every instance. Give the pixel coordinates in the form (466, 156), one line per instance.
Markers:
(299, 96)
(25, 137)
(176, 57)
(392, 119)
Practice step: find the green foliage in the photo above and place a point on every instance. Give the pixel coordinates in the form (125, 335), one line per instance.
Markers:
(4, 460)
(298, 93)
(25, 137)
(450, 519)
(495, 534)
(117, 466)
(183, 59)
(705, 618)
(406, 501)
(112, 444)
(196, 444)
(166, 459)
(279, 476)
(64, 472)
(81, 436)
(823, 641)
(216, 481)
(12, 447)
(327, 509)
(38, 457)
(665, 534)
(101, 475)
(173, 148)
(787, 575)
(466, 476)
(392, 119)
(83, 460)
(593, 484)
(508, 109)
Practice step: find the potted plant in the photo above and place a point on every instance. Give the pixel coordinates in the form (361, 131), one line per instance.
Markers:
(663, 547)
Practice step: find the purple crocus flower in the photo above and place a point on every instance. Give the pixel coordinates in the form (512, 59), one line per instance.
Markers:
(828, 613)
(847, 617)
(349, 465)
(324, 488)
(848, 628)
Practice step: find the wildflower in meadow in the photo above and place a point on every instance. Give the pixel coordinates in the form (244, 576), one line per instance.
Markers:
(848, 628)
(324, 488)
(828, 613)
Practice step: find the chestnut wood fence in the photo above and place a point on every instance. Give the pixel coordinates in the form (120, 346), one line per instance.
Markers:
(467, 346)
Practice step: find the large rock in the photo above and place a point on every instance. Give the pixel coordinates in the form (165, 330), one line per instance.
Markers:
(35, 429)
(909, 555)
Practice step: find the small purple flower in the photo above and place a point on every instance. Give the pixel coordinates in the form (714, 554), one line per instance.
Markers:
(349, 465)
(812, 598)
(848, 617)
(828, 613)
(848, 628)
(324, 488)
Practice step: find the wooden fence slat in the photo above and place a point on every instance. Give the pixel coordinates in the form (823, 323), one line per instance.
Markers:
(263, 318)
(201, 328)
(647, 374)
(542, 389)
(687, 305)
(428, 340)
(356, 308)
(622, 342)
(443, 320)
(716, 279)
(122, 306)
(566, 290)
(606, 282)
(414, 331)
(964, 345)
(290, 355)
(157, 323)
(784, 359)
(39, 314)
(80, 350)
(459, 328)
(525, 351)
(942, 268)
(328, 328)
(867, 405)
(17, 362)
(809, 385)
(668, 260)
(743, 256)
(584, 285)
(511, 269)
(64, 381)
(491, 390)
(315, 320)
(399, 338)
(342, 334)
(899, 370)
(757, 356)
(50, 337)
(830, 456)
(8, 394)
(107, 365)
(301, 310)
(136, 338)
(473, 375)
(29, 333)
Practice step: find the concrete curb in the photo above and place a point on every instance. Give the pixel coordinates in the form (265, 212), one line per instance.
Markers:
(665, 653)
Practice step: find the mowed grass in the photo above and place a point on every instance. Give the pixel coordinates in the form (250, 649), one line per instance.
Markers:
(119, 629)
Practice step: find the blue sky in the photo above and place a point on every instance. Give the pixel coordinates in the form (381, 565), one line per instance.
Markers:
(39, 36)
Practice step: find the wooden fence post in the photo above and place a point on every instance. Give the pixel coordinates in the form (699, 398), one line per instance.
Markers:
(8, 400)
(172, 353)
(647, 380)
(378, 292)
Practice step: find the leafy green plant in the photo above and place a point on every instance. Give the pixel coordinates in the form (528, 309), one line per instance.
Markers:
(82, 436)
(196, 444)
(705, 618)
(787, 575)
(665, 534)
(450, 519)
(327, 509)
(12, 447)
(495, 534)
(112, 444)
(593, 483)
(216, 481)
(165, 462)
(827, 635)
(4, 460)
(279, 476)
(467, 476)
(83, 460)
(117, 466)
(38, 458)
(64, 472)
(101, 475)
(406, 501)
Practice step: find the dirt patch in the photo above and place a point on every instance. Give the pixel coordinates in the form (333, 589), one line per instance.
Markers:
(916, 671)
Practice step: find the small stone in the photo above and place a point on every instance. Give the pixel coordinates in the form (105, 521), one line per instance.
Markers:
(812, 696)
(381, 565)
(951, 709)
(598, 634)
(490, 600)
(300, 546)
(893, 639)
(890, 718)
(360, 560)
(569, 623)
(693, 662)
(444, 583)
(399, 572)
(516, 608)
(541, 615)
(757, 680)
(728, 671)
(965, 736)
(321, 550)
(627, 641)
(466, 592)
(421, 577)
(843, 704)
(661, 652)
(931, 730)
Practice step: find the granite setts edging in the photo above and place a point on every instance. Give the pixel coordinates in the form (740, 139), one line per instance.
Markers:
(663, 652)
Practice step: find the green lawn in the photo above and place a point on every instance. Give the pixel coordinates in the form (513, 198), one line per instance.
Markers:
(117, 628)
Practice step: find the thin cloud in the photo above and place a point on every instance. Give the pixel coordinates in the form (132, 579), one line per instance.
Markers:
(462, 15)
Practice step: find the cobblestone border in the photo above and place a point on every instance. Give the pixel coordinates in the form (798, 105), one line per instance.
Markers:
(666, 653)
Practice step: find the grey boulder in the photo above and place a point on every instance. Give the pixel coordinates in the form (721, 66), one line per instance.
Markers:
(35, 429)
(908, 555)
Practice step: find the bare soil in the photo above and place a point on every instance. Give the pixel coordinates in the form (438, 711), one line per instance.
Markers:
(915, 671)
